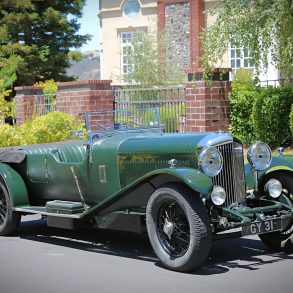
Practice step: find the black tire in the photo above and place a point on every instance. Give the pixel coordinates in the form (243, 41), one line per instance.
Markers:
(174, 210)
(9, 219)
(281, 240)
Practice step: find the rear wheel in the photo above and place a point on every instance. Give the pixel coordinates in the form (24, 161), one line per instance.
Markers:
(9, 219)
(178, 228)
(282, 240)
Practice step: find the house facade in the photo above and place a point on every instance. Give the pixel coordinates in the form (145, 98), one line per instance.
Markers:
(182, 20)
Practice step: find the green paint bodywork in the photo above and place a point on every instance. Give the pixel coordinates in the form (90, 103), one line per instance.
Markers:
(278, 163)
(117, 174)
(126, 159)
(15, 185)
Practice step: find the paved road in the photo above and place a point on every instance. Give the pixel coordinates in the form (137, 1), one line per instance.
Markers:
(42, 259)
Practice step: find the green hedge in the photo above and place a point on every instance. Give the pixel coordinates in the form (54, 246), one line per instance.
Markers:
(271, 111)
(261, 113)
(241, 100)
(52, 127)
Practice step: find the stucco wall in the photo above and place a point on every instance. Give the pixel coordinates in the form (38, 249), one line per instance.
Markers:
(113, 23)
(177, 16)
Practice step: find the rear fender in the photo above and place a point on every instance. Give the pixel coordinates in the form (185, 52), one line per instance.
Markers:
(15, 185)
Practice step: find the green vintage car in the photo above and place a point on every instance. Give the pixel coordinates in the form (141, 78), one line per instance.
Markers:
(183, 188)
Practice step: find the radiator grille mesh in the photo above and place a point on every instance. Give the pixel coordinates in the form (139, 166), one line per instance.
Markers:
(232, 178)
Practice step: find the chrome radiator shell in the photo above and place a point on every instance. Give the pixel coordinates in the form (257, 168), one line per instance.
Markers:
(232, 175)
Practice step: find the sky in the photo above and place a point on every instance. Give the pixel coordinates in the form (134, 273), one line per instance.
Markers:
(90, 25)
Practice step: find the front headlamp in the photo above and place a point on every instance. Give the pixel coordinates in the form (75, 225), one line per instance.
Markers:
(210, 161)
(274, 188)
(259, 156)
(218, 195)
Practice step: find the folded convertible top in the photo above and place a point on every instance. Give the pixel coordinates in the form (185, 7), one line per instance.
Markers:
(12, 155)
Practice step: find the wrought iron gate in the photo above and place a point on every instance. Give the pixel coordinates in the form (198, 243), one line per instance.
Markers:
(170, 101)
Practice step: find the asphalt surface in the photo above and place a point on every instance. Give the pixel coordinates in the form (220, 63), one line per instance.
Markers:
(41, 259)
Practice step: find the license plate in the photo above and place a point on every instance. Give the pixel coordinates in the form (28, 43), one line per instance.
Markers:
(262, 227)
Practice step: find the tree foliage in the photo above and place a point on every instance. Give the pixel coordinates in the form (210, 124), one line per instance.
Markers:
(263, 26)
(149, 64)
(40, 34)
(7, 78)
(49, 86)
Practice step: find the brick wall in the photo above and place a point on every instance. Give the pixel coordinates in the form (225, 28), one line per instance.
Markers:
(78, 97)
(207, 106)
(74, 97)
(25, 102)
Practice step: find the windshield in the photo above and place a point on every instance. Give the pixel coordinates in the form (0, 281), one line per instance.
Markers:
(117, 121)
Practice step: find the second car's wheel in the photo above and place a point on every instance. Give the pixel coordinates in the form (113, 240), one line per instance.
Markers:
(282, 240)
(9, 219)
(178, 228)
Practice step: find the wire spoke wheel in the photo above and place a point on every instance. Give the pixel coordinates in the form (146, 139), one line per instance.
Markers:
(9, 219)
(178, 227)
(3, 208)
(173, 229)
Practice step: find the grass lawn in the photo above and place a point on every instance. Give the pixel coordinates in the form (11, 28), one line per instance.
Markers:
(287, 151)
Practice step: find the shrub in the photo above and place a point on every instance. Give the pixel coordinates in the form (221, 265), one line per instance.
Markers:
(243, 76)
(270, 115)
(52, 127)
(9, 136)
(241, 100)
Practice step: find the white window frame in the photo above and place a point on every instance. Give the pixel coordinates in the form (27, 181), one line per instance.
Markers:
(125, 42)
(239, 58)
(126, 37)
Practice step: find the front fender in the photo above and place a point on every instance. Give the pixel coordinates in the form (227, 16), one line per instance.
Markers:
(278, 163)
(138, 193)
(15, 185)
(193, 178)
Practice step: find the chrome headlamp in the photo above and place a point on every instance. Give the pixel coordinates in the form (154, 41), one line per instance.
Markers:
(274, 188)
(210, 161)
(218, 195)
(259, 156)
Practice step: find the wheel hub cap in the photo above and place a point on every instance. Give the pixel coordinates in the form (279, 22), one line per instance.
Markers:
(168, 228)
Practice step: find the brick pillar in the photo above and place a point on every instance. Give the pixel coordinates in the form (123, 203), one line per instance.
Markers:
(207, 106)
(197, 25)
(77, 97)
(161, 16)
(26, 102)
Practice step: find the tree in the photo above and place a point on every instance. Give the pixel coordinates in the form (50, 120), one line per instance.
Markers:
(40, 33)
(263, 26)
(150, 63)
(7, 78)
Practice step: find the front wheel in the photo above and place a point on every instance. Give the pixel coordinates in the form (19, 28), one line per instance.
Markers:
(282, 240)
(9, 219)
(178, 228)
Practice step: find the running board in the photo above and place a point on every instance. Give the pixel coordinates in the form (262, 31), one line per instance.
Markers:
(43, 211)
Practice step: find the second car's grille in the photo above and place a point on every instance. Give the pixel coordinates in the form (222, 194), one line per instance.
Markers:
(231, 178)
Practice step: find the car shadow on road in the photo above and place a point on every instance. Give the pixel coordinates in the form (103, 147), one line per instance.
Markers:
(245, 253)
